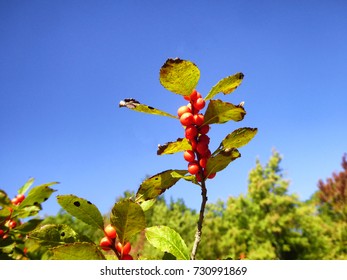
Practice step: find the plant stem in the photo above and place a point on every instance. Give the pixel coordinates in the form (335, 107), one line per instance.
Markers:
(200, 221)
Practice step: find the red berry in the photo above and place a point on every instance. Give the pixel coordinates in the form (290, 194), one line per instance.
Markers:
(2, 233)
(20, 197)
(187, 119)
(204, 129)
(203, 162)
(126, 248)
(195, 95)
(193, 168)
(105, 243)
(201, 148)
(183, 109)
(15, 201)
(204, 139)
(186, 97)
(12, 224)
(193, 143)
(127, 257)
(110, 231)
(212, 175)
(199, 104)
(199, 119)
(191, 132)
(198, 177)
(189, 156)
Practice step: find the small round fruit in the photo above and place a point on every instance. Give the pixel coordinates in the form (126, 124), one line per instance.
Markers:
(183, 109)
(193, 143)
(15, 201)
(189, 156)
(127, 257)
(2, 233)
(195, 95)
(203, 138)
(12, 224)
(187, 119)
(199, 103)
(105, 243)
(191, 132)
(201, 148)
(193, 168)
(211, 176)
(126, 248)
(186, 97)
(203, 162)
(199, 119)
(110, 231)
(204, 129)
(20, 197)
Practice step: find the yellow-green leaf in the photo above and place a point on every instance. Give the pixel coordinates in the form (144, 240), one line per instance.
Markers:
(157, 184)
(77, 251)
(238, 138)
(219, 111)
(179, 76)
(135, 105)
(226, 85)
(167, 240)
(180, 145)
(221, 160)
(82, 209)
(128, 218)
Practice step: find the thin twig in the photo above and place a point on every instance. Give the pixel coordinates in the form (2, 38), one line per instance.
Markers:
(200, 221)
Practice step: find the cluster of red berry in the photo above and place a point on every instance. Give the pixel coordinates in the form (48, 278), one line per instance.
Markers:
(9, 223)
(109, 242)
(196, 132)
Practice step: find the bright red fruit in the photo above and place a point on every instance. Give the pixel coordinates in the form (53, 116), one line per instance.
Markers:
(199, 103)
(202, 148)
(12, 224)
(187, 119)
(1, 232)
(203, 162)
(211, 176)
(204, 129)
(189, 156)
(193, 168)
(110, 231)
(127, 257)
(195, 95)
(123, 250)
(204, 139)
(20, 197)
(183, 109)
(105, 243)
(199, 119)
(191, 132)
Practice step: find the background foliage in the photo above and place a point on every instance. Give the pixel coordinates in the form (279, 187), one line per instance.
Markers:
(268, 222)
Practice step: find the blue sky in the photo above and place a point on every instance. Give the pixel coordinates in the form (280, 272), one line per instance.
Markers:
(65, 65)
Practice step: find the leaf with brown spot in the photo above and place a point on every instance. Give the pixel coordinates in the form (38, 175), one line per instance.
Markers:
(157, 184)
(219, 112)
(226, 85)
(180, 145)
(221, 160)
(135, 105)
(179, 76)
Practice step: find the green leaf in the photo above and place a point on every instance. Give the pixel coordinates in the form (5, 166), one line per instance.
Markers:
(157, 184)
(238, 138)
(128, 218)
(53, 235)
(77, 251)
(37, 195)
(167, 240)
(82, 209)
(4, 199)
(28, 226)
(190, 178)
(179, 76)
(180, 145)
(222, 112)
(135, 105)
(226, 85)
(26, 186)
(146, 205)
(221, 160)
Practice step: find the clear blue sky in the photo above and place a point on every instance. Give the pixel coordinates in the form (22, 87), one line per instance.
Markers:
(65, 65)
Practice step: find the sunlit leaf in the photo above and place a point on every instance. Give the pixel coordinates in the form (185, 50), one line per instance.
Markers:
(180, 145)
(226, 85)
(167, 240)
(179, 76)
(37, 195)
(26, 186)
(190, 178)
(77, 251)
(82, 209)
(4, 199)
(221, 160)
(219, 111)
(238, 138)
(28, 226)
(157, 184)
(146, 205)
(128, 218)
(135, 105)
